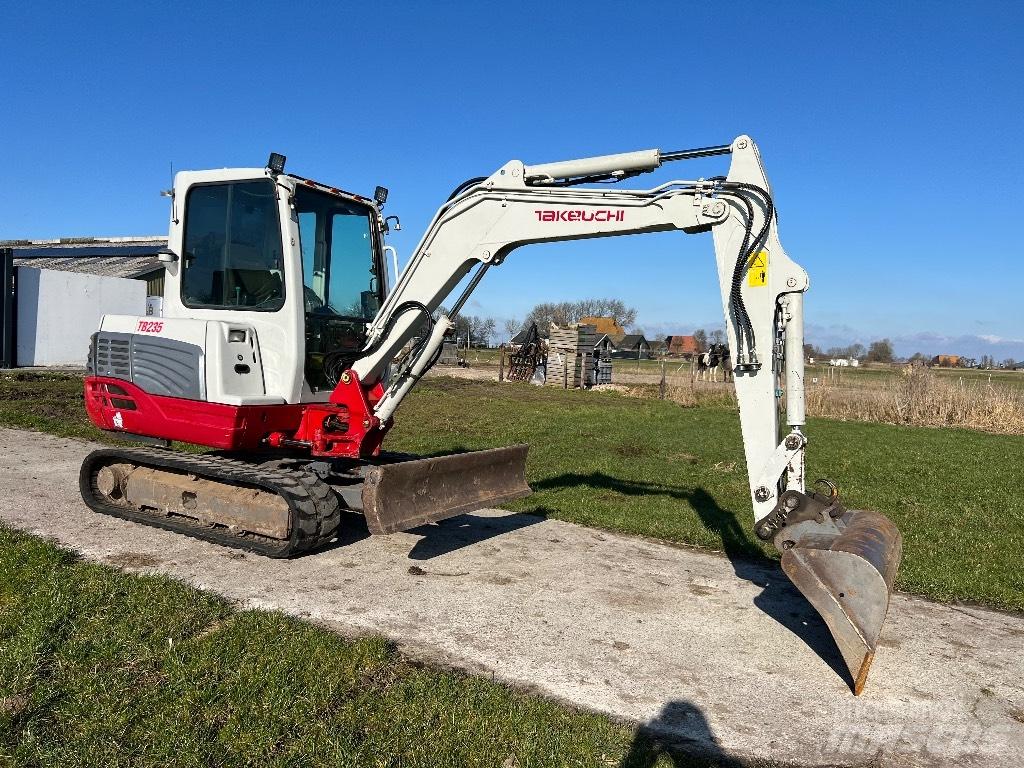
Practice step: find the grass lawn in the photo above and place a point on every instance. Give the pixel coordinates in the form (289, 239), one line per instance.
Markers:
(657, 469)
(102, 668)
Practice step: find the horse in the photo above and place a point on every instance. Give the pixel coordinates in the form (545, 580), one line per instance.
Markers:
(725, 362)
(709, 362)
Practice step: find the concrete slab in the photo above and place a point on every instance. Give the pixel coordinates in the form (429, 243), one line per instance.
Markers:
(725, 654)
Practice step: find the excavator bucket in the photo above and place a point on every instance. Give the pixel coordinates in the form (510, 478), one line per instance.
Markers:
(848, 578)
(406, 494)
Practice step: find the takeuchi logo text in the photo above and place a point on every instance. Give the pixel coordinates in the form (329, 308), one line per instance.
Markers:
(601, 215)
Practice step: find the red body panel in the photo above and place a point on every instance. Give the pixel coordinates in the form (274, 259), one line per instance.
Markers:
(345, 427)
(120, 406)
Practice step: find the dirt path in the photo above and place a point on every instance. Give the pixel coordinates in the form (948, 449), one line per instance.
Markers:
(725, 654)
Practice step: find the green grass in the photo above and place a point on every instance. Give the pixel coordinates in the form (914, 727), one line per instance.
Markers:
(657, 469)
(47, 402)
(101, 668)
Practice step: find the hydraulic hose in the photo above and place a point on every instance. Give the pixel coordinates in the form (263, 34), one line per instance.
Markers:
(337, 361)
(747, 249)
(464, 186)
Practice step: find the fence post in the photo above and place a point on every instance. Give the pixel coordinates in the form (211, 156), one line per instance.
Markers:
(7, 315)
(661, 386)
(501, 366)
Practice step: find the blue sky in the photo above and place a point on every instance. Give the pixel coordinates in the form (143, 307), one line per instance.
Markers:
(891, 133)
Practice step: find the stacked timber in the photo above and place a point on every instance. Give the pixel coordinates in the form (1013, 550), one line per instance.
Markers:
(571, 356)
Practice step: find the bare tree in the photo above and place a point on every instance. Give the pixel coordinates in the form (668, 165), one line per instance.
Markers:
(511, 328)
(481, 329)
(488, 327)
(568, 312)
(463, 328)
(717, 336)
(813, 351)
(880, 351)
(700, 336)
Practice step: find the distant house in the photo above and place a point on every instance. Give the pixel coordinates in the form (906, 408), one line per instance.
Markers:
(633, 346)
(947, 361)
(517, 341)
(682, 346)
(844, 362)
(604, 325)
(659, 348)
(605, 346)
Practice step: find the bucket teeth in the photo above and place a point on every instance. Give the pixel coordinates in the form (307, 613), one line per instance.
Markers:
(848, 578)
(403, 495)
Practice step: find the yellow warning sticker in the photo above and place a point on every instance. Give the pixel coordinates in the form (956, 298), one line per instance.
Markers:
(757, 271)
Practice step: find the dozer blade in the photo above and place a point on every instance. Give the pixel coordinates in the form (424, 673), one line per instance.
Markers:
(406, 494)
(848, 578)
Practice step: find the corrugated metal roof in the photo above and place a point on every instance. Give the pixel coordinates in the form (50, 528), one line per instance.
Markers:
(105, 266)
(129, 257)
(85, 241)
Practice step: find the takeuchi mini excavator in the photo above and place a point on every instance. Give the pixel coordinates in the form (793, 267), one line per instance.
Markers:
(283, 346)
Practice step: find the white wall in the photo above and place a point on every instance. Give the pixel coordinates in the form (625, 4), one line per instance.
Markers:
(59, 311)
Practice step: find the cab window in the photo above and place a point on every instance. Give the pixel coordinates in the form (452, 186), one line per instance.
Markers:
(339, 271)
(232, 254)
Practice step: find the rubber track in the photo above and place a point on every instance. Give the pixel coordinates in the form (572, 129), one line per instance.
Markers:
(315, 509)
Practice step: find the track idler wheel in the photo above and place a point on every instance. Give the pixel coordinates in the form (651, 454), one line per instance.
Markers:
(844, 562)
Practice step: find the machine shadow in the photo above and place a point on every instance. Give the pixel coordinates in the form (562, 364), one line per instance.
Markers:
(779, 599)
(681, 733)
(438, 538)
(453, 534)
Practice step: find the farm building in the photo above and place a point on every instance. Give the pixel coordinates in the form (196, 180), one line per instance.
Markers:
(946, 361)
(632, 346)
(604, 325)
(55, 291)
(659, 348)
(605, 346)
(682, 346)
(844, 362)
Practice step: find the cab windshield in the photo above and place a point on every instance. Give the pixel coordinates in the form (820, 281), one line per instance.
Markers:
(339, 271)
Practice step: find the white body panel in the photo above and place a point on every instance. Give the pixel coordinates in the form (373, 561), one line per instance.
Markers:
(223, 383)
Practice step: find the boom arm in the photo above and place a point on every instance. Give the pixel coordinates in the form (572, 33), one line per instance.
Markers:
(761, 287)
